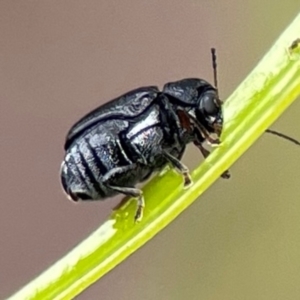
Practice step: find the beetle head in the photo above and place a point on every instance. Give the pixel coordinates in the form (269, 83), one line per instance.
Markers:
(204, 118)
(209, 111)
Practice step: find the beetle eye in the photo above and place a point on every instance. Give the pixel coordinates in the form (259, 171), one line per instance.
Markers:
(209, 105)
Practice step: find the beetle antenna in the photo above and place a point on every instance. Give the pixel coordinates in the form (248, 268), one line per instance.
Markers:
(286, 137)
(214, 65)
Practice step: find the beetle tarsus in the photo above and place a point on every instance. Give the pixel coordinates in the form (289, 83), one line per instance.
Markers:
(213, 142)
(205, 153)
(140, 209)
(187, 180)
(226, 175)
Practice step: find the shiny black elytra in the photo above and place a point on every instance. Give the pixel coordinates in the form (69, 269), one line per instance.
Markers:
(124, 141)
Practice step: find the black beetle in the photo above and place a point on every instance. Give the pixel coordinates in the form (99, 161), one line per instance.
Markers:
(124, 141)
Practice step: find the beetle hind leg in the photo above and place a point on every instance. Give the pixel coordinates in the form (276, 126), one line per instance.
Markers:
(108, 181)
(135, 193)
(181, 168)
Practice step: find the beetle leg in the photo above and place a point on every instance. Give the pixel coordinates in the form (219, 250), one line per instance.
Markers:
(205, 154)
(181, 168)
(135, 193)
(128, 191)
(214, 142)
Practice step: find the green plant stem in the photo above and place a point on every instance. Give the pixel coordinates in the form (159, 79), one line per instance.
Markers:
(270, 88)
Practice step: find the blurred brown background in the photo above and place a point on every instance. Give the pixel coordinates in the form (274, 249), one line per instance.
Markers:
(58, 60)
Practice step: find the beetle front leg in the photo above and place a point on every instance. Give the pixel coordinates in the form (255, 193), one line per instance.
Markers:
(181, 168)
(206, 153)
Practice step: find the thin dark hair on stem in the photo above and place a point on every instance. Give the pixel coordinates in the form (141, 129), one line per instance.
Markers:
(284, 136)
